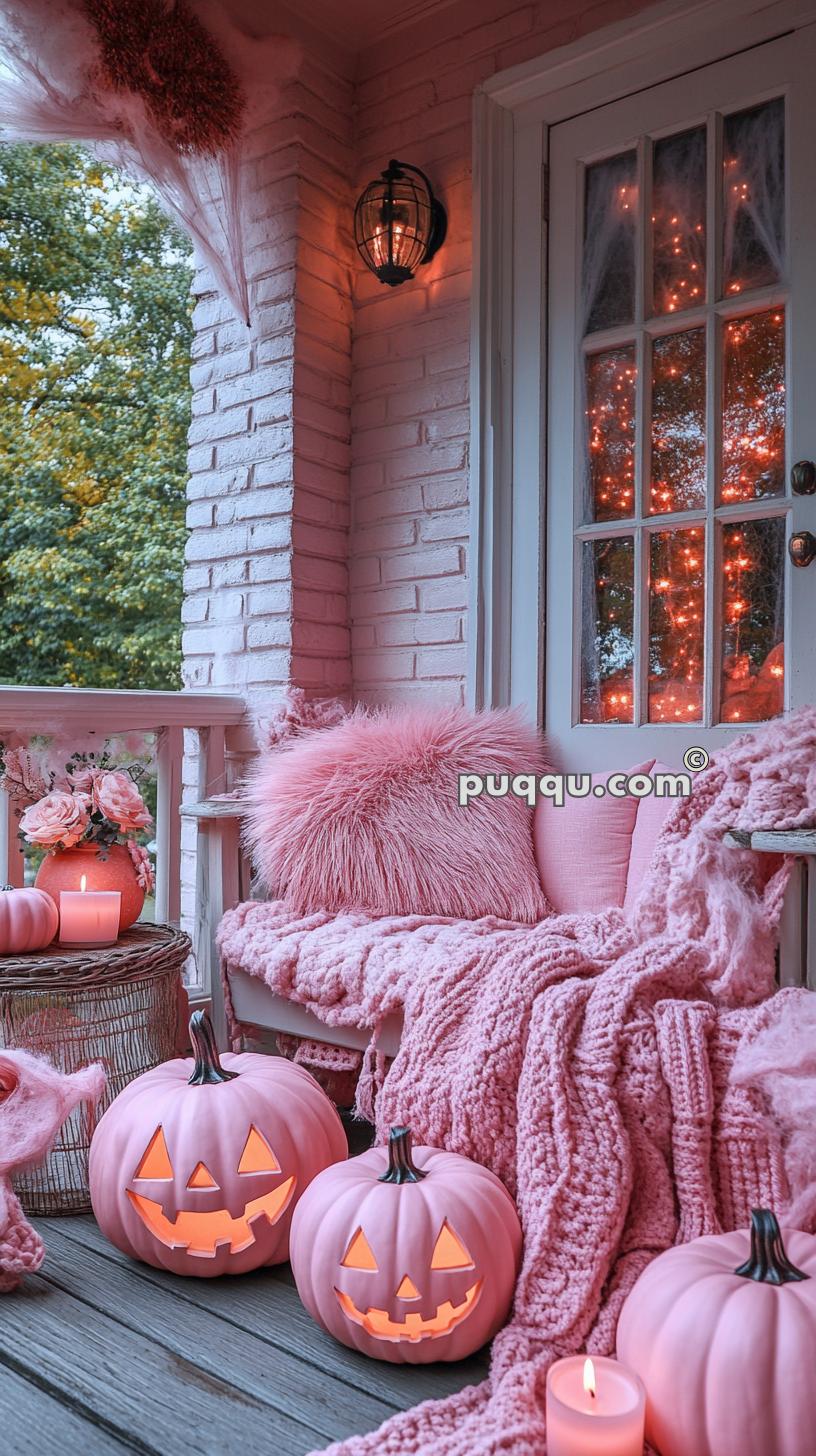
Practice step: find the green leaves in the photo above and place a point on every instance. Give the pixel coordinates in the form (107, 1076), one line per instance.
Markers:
(95, 336)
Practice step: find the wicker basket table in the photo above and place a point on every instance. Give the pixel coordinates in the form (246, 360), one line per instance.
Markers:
(117, 1006)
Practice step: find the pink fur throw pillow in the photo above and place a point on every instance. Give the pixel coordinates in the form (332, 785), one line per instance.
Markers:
(366, 816)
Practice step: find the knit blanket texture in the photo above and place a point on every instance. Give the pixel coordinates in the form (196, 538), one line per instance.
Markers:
(635, 1083)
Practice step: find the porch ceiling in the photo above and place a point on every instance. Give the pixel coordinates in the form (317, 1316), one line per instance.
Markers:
(352, 24)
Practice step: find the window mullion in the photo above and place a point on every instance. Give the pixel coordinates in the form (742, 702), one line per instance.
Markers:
(712, 597)
(643, 264)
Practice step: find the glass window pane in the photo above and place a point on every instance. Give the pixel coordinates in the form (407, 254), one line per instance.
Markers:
(678, 422)
(676, 624)
(753, 602)
(610, 218)
(754, 197)
(607, 630)
(611, 380)
(678, 221)
(753, 426)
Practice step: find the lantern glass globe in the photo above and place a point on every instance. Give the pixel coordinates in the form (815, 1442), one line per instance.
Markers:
(398, 223)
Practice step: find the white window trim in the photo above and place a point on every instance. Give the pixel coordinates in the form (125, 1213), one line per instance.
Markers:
(511, 116)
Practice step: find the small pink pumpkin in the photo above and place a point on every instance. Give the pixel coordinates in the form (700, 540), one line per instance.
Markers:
(28, 920)
(726, 1344)
(407, 1256)
(197, 1165)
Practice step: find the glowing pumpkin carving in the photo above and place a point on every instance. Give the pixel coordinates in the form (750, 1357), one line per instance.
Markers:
(414, 1262)
(725, 1345)
(197, 1167)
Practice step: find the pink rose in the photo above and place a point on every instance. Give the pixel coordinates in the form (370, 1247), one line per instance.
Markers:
(58, 819)
(116, 796)
(83, 779)
(142, 866)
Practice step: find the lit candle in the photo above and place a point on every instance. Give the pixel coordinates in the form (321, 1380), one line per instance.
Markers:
(89, 917)
(594, 1408)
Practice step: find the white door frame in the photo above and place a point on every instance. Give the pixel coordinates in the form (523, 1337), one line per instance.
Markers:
(511, 117)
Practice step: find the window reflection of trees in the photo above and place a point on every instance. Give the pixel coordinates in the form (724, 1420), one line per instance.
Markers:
(608, 640)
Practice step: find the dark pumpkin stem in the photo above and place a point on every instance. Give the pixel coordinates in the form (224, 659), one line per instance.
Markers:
(768, 1262)
(207, 1071)
(401, 1166)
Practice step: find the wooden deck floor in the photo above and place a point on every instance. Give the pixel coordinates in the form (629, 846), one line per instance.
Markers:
(99, 1354)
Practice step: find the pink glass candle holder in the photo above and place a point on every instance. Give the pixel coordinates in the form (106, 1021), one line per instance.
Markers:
(89, 918)
(595, 1407)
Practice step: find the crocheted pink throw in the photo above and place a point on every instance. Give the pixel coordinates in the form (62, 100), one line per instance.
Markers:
(590, 1063)
(35, 1100)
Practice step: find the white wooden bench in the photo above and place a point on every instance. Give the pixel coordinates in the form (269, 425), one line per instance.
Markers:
(225, 880)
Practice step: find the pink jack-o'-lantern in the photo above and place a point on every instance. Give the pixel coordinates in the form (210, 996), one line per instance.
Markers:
(197, 1166)
(726, 1345)
(407, 1257)
(28, 920)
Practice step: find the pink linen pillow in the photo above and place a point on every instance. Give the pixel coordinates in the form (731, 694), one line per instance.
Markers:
(582, 847)
(651, 816)
(365, 816)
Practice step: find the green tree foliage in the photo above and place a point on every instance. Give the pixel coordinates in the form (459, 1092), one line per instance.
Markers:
(95, 335)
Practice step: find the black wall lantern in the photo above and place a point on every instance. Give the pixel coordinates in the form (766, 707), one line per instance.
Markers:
(398, 223)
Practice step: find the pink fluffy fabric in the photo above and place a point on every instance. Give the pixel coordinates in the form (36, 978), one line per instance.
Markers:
(35, 1100)
(292, 714)
(781, 1063)
(633, 1085)
(51, 90)
(365, 816)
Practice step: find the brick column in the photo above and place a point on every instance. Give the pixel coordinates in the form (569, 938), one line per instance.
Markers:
(266, 591)
(266, 576)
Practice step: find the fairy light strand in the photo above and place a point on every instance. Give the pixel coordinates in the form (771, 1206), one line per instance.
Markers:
(753, 452)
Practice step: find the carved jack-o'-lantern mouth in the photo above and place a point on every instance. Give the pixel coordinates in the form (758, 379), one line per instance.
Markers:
(449, 1255)
(202, 1233)
(378, 1322)
(198, 1231)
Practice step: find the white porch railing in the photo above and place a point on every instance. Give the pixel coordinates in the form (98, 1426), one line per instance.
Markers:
(215, 725)
(203, 742)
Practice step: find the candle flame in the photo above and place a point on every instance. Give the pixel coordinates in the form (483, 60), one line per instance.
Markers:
(82, 884)
(589, 1378)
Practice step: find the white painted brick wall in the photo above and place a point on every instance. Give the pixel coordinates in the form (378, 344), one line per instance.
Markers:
(328, 496)
(270, 434)
(411, 423)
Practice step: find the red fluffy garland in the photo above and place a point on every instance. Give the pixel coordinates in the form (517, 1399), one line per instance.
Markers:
(161, 51)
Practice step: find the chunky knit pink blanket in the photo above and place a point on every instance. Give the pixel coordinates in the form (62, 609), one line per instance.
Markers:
(617, 1076)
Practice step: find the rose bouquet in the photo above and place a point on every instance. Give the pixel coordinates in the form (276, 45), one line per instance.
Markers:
(91, 801)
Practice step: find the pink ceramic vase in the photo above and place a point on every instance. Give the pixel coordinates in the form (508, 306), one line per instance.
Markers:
(64, 870)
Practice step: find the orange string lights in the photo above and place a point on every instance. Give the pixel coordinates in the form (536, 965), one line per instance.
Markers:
(751, 468)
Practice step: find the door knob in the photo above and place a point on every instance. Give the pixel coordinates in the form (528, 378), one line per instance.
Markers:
(802, 548)
(803, 478)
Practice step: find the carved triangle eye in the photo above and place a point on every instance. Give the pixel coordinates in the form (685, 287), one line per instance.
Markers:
(358, 1255)
(449, 1251)
(156, 1161)
(201, 1177)
(257, 1156)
